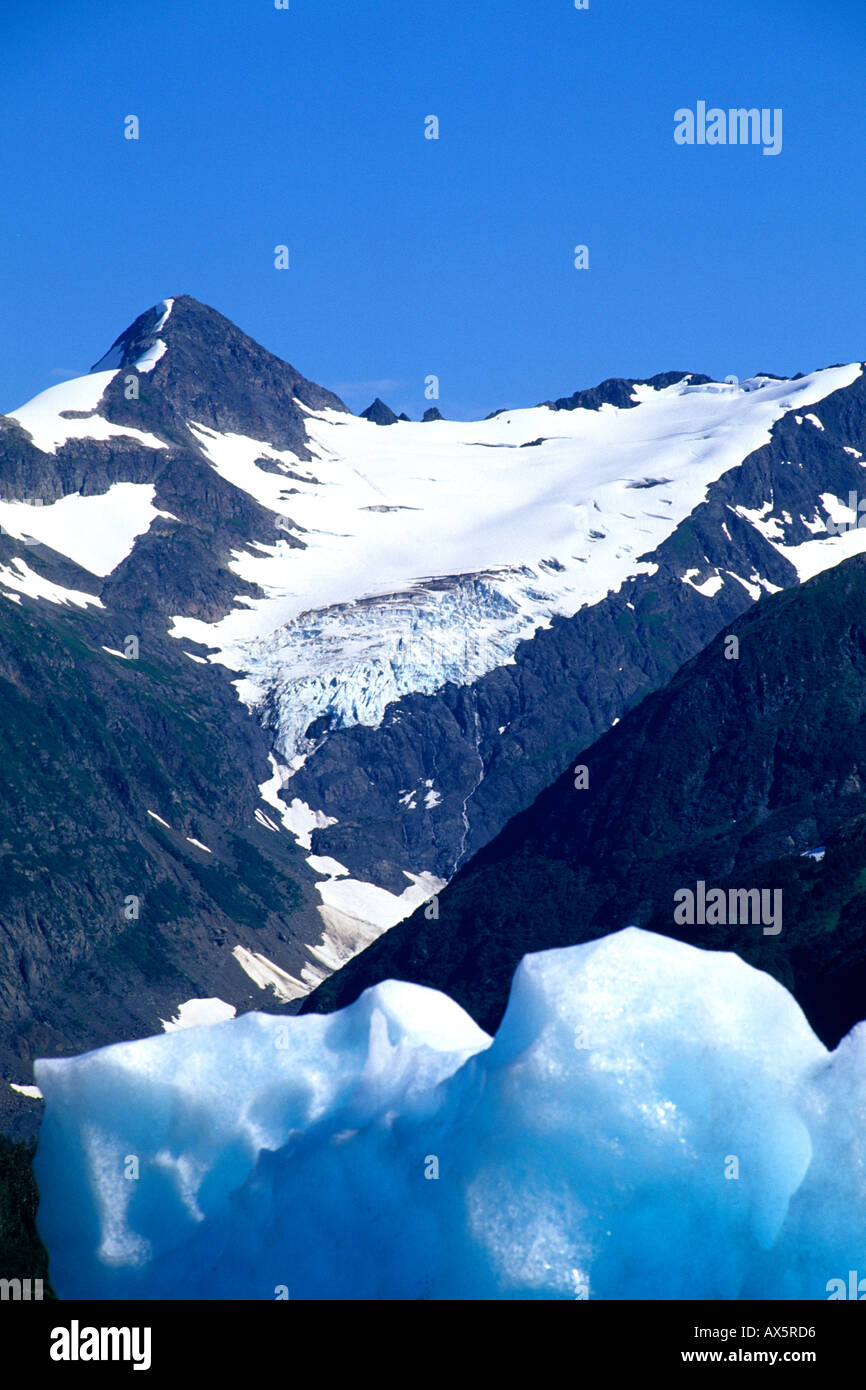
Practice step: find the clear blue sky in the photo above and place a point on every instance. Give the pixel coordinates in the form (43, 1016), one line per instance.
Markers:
(412, 256)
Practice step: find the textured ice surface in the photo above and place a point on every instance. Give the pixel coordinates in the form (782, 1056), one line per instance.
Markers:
(428, 555)
(651, 1121)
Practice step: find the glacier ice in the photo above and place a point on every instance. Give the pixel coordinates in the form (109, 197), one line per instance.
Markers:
(427, 556)
(348, 663)
(651, 1121)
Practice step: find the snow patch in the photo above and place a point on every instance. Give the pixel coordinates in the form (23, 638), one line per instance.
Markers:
(199, 1013)
(95, 532)
(266, 975)
(771, 529)
(367, 902)
(322, 864)
(298, 818)
(149, 359)
(709, 588)
(31, 1092)
(43, 420)
(18, 578)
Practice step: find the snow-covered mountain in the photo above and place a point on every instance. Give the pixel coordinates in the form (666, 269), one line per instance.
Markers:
(347, 649)
(432, 550)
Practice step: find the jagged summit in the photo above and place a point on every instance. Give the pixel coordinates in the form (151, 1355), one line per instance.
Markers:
(379, 413)
(196, 365)
(619, 391)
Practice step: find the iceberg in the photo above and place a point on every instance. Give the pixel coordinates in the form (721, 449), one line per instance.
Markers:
(651, 1121)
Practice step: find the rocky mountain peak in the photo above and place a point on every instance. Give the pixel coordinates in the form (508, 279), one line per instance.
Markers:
(379, 413)
(194, 364)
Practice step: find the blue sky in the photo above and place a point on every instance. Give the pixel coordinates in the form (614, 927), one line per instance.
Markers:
(454, 257)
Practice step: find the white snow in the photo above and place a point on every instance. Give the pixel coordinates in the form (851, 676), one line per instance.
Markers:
(814, 556)
(167, 306)
(149, 359)
(770, 529)
(42, 418)
(323, 864)
(96, 532)
(813, 420)
(160, 819)
(752, 589)
(297, 817)
(391, 1151)
(376, 905)
(18, 578)
(709, 588)
(199, 1013)
(198, 844)
(32, 1092)
(266, 975)
(429, 554)
(354, 914)
(301, 821)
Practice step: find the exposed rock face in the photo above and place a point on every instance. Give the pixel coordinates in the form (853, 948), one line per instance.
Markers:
(495, 744)
(744, 772)
(212, 373)
(380, 413)
(159, 842)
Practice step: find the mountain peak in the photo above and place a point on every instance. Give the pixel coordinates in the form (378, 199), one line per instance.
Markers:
(619, 391)
(195, 364)
(379, 413)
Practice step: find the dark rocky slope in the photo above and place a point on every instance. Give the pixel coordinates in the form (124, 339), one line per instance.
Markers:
(730, 774)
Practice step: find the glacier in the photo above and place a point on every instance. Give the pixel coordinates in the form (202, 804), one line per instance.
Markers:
(428, 552)
(651, 1121)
